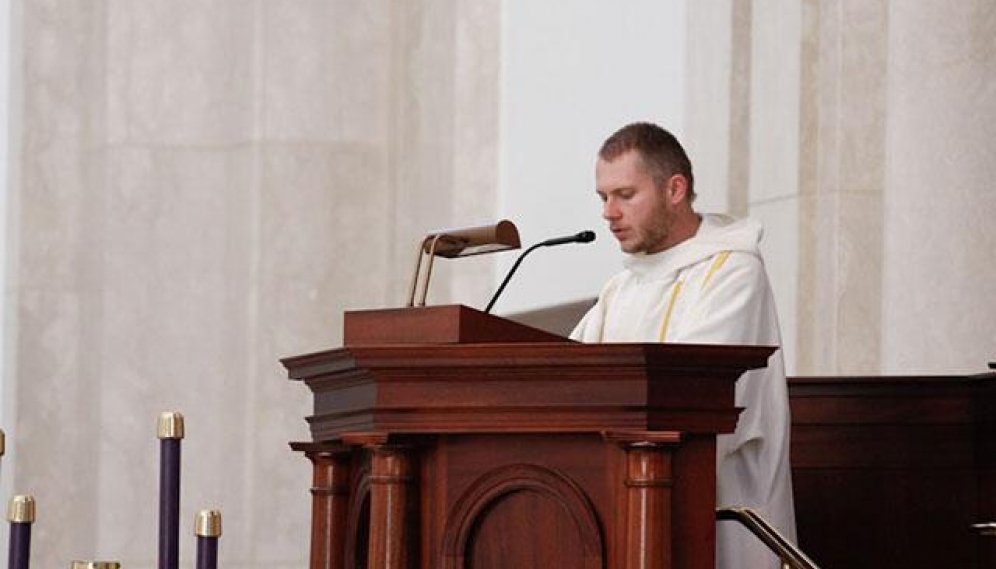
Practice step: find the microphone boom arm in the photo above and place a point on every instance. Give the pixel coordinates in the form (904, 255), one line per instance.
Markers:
(582, 237)
(508, 277)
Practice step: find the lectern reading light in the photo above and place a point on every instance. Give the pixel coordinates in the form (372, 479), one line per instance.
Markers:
(462, 242)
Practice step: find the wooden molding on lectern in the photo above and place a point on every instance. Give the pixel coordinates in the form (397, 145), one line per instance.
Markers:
(451, 324)
(489, 444)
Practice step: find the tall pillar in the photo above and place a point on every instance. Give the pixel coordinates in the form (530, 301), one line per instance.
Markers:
(842, 158)
(938, 272)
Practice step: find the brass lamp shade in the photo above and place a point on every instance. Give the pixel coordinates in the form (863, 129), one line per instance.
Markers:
(451, 243)
(461, 242)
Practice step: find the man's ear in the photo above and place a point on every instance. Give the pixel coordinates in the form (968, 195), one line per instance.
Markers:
(677, 189)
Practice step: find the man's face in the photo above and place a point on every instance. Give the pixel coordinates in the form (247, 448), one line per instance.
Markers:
(638, 212)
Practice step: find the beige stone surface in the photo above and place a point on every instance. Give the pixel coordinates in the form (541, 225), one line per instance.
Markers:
(863, 58)
(884, 129)
(941, 133)
(842, 165)
(178, 72)
(708, 94)
(779, 247)
(326, 70)
(718, 103)
(61, 396)
(207, 186)
(774, 100)
(838, 320)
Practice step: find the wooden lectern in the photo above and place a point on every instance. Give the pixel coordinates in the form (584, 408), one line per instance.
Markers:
(444, 437)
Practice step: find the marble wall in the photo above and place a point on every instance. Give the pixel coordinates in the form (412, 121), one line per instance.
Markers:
(867, 154)
(939, 202)
(205, 187)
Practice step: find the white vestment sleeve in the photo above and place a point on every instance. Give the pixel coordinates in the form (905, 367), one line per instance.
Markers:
(589, 328)
(736, 307)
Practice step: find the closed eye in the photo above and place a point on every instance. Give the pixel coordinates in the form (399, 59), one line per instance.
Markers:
(619, 194)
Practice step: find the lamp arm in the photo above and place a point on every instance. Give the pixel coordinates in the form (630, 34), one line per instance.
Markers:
(428, 270)
(418, 271)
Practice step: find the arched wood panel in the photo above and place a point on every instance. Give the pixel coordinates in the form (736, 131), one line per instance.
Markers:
(523, 516)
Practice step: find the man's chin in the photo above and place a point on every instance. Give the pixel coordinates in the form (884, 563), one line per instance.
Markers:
(631, 248)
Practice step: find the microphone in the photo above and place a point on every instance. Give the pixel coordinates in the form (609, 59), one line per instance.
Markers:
(581, 237)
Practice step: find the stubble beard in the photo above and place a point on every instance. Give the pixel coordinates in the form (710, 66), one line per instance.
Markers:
(655, 237)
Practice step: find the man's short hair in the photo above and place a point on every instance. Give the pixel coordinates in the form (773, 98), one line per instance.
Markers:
(662, 154)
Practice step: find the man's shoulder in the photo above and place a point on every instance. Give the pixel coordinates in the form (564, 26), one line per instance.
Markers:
(742, 259)
(740, 266)
(730, 258)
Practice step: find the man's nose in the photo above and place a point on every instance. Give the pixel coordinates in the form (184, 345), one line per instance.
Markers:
(609, 210)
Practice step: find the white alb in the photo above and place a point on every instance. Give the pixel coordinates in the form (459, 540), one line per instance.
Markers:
(713, 289)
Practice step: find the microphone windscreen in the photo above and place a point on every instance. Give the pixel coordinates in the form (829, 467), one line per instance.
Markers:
(586, 237)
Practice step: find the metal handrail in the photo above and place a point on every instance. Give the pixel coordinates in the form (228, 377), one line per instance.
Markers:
(787, 552)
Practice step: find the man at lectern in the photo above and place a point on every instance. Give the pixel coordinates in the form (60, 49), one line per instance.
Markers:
(697, 278)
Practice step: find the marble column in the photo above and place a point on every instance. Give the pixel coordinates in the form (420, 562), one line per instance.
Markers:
(938, 314)
(842, 157)
(205, 188)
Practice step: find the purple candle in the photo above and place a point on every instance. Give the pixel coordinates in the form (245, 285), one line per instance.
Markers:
(170, 432)
(20, 514)
(207, 527)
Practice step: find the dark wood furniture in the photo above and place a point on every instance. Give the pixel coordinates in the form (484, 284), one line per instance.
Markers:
(513, 454)
(894, 471)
